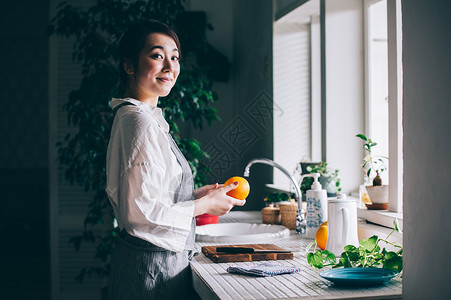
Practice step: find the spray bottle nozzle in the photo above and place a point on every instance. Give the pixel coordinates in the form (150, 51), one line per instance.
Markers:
(316, 185)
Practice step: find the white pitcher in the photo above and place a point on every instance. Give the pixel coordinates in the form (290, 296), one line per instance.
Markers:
(342, 224)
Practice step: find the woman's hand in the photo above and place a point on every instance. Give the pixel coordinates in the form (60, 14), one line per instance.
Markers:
(215, 201)
(202, 191)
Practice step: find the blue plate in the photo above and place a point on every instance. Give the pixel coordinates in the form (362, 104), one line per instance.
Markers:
(359, 276)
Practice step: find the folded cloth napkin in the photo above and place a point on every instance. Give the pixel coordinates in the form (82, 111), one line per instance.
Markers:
(263, 269)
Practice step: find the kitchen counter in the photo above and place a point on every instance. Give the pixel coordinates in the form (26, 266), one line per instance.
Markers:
(212, 281)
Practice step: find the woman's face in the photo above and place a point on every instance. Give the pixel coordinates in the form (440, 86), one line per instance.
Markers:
(157, 70)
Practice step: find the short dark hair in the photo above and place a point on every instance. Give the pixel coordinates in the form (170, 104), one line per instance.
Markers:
(134, 39)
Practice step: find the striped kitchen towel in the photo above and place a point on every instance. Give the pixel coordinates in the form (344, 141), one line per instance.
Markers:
(263, 269)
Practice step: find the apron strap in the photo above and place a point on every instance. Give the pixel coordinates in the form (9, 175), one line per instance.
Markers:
(120, 105)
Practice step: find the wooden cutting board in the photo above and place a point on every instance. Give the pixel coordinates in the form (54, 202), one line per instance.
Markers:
(220, 257)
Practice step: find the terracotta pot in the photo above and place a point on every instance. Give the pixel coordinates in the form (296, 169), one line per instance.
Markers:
(378, 194)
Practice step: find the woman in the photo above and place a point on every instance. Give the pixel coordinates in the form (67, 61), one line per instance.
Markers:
(149, 182)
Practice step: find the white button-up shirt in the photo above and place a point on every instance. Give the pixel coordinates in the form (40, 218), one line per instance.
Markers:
(143, 175)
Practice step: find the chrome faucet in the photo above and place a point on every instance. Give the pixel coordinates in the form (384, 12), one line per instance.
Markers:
(300, 219)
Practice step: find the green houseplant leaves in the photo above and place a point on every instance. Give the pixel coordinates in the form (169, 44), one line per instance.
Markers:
(372, 164)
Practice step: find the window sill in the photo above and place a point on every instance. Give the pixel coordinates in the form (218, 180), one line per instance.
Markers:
(380, 217)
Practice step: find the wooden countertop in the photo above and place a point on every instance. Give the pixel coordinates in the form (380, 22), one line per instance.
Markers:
(212, 281)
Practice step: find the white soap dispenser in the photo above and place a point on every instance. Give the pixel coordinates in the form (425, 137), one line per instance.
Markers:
(316, 206)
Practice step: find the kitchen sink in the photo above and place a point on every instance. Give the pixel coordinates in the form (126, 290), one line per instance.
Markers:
(240, 232)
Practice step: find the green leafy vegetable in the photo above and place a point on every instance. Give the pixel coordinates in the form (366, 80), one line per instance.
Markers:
(368, 254)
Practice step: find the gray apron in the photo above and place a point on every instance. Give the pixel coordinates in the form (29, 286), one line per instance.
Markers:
(142, 270)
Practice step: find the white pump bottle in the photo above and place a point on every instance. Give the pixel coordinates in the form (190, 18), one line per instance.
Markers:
(316, 206)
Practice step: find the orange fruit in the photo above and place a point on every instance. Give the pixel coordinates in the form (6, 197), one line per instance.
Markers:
(321, 236)
(241, 191)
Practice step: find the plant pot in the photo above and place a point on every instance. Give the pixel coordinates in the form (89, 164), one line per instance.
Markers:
(324, 181)
(378, 194)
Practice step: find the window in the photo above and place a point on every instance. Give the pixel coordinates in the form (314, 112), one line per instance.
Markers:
(297, 125)
(383, 103)
(377, 77)
(359, 54)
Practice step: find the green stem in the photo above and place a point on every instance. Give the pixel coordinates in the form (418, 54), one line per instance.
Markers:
(391, 243)
(390, 234)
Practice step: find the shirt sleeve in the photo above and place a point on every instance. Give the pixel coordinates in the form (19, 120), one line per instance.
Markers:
(147, 189)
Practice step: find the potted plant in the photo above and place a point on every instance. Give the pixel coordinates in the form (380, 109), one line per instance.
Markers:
(373, 166)
(328, 176)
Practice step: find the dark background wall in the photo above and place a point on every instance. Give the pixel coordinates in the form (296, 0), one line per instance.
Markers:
(24, 217)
